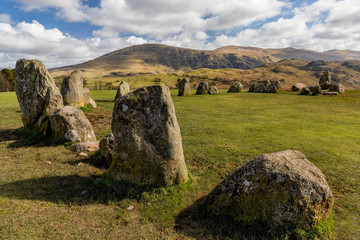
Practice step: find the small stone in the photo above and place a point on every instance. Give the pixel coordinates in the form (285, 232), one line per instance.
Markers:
(82, 155)
(83, 192)
(79, 164)
(298, 87)
(330, 93)
(48, 162)
(130, 208)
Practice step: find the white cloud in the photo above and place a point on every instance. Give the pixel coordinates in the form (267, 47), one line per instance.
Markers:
(5, 18)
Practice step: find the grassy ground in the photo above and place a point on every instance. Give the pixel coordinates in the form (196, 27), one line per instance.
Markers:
(47, 192)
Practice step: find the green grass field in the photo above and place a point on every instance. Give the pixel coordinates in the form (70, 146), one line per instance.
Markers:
(47, 192)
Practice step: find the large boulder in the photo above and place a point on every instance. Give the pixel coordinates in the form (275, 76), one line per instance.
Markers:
(298, 87)
(184, 87)
(271, 88)
(87, 98)
(37, 94)
(202, 88)
(147, 140)
(325, 80)
(71, 124)
(72, 89)
(281, 189)
(337, 87)
(122, 89)
(260, 88)
(106, 145)
(235, 87)
(213, 90)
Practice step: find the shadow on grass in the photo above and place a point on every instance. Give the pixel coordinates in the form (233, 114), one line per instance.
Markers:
(70, 190)
(23, 137)
(105, 101)
(194, 222)
(95, 160)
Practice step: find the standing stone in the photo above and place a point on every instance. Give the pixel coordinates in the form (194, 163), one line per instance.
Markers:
(213, 90)
(235, 87)
(87, 98)
(252, 87)
(260, 88)
(147, 140)
(271, 88)
(281, 189)
(337, 87)
(71, 124)
(122, 89)
(37, 94)
(277, 84)
(305, 91)
(202, 88)
(106, 148)
(184, 87)
(325, 80)
(298, 87)
(72, 89)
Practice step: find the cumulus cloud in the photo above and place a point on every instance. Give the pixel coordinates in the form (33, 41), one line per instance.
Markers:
(5, 17)
(32, 40)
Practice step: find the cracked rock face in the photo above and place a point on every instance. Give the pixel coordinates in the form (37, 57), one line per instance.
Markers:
(282, 189)
(147, 140)
(71, 124)
(37, 94)
(72, 89)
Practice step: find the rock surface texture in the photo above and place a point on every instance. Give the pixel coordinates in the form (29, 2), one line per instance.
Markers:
(281, 189)
(106, 148)
(325, 80)
(202, 88)
(235, 87)
(72, 89)
(184, 87)
(71, 124)
(122, 89)
(147, 140)
(37, 94)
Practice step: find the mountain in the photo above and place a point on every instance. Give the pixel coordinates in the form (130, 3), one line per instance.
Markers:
(156, 58)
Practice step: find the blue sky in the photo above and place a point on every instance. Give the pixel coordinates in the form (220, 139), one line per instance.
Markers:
(63, 32)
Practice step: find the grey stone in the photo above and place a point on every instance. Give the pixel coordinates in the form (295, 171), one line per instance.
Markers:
(305, 91)
(87, 98)
(260, 88)
(184, 87)
(315, 90)
(281, 189)
(37, 94)
(235, 87)
(106, 145)
(337, 87)
(213, 90)
(271, 88)
(122, 89)
(325, 80)
(71, 124)
(298, 87)
(252, 87)
(277, 84)
(202, 88)
(147, 140)
(72, 89)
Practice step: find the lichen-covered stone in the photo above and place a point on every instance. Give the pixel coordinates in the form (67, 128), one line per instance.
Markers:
(213, 90)
(106, 148)
(37, 94)
(305, 91)
(202, 88)
(281, 189)
(184, 87)
(72, 89)
(260, 88)
(122, 89)
(147, 140)
(298, 87)
(271, 88)
(71, 124)
(325, 80)
(235, 87)
(87, 97)
(337, 87)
